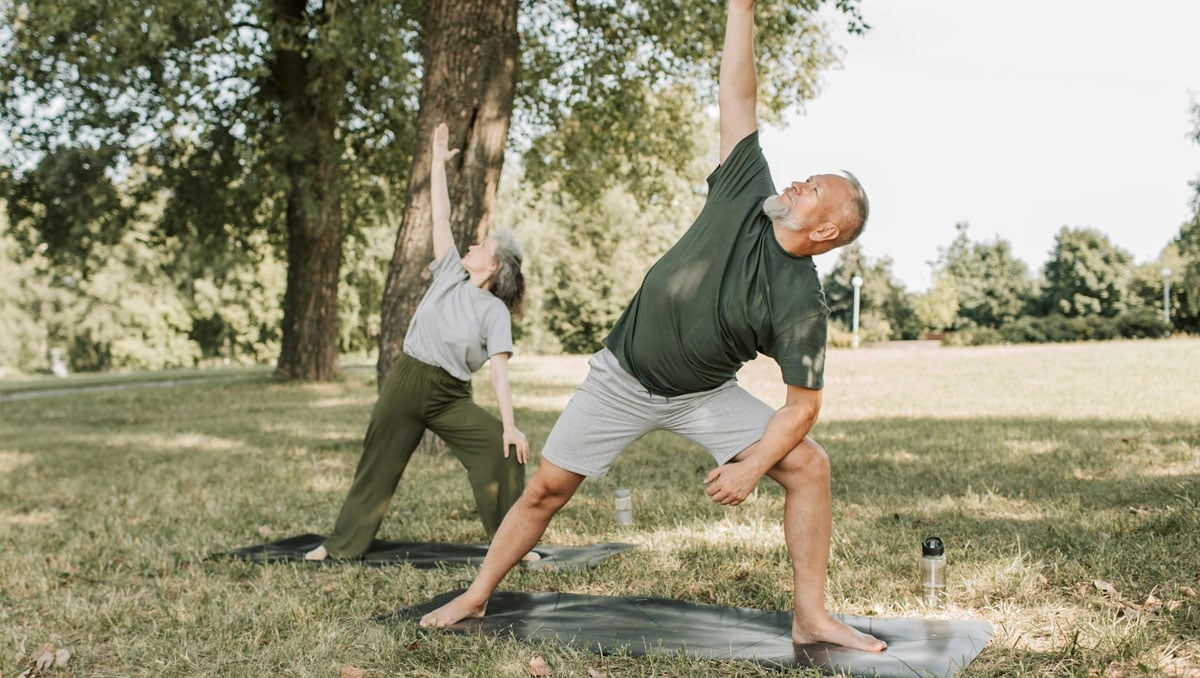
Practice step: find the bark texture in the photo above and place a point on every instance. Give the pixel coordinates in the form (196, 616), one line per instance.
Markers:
(470, 55)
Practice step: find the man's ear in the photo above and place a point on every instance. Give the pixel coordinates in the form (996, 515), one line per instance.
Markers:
(826, 232)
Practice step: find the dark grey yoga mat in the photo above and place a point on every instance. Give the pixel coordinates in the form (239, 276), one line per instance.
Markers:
(644, 626)
(423, 554)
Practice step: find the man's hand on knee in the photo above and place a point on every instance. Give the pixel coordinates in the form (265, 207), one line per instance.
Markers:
(729, 484)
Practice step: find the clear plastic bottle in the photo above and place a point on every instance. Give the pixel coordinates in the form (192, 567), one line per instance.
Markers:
(933, 571)
(624, 503)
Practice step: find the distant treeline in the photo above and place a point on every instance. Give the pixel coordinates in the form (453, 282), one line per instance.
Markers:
(148, 302)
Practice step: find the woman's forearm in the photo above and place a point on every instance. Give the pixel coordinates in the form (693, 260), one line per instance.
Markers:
(439, 193)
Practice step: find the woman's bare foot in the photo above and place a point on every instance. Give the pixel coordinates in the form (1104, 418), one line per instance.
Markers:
(834, 632)
(318, 553)
(453, 612)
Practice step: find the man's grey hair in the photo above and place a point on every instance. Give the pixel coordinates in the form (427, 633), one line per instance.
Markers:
(508, 283)
(853, 219)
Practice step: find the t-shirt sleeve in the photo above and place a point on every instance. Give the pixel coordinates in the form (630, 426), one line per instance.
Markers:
(744, 171)
(447, 272)
(450, 263)
(497, 330)
(799, 348)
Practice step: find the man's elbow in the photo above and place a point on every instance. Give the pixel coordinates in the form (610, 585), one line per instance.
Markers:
(802, 417)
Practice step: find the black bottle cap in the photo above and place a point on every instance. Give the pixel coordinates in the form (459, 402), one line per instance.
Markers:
(932, 546)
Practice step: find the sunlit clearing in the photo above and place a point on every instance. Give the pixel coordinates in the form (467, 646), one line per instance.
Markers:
(1031, 446)
(30, 518)
(181, 441)
(11, 461)
(342, 402)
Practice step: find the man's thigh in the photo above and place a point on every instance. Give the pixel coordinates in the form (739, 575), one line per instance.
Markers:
(605, 415)
(725, 421)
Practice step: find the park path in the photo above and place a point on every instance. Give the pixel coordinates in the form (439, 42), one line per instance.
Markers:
(37, 393)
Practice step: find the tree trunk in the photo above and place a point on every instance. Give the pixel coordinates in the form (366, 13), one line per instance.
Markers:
(471, 53)
(308, 98)
(314, 252)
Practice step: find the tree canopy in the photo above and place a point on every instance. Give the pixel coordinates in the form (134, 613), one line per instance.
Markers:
(298, 119)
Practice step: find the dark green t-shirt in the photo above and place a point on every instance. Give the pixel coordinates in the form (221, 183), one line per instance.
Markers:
(724, 293)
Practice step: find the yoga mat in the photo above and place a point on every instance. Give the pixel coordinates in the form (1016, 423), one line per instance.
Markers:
(645, 626)
(423, 554)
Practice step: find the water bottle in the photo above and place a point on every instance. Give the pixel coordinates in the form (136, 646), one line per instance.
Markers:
(933, 571)
(624, 504)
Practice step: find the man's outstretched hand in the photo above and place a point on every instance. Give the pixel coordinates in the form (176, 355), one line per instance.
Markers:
(729, 484)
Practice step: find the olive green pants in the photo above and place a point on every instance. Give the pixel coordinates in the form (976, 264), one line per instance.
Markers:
(415, 397)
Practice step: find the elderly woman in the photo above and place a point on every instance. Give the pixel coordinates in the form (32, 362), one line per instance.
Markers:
(463, 321)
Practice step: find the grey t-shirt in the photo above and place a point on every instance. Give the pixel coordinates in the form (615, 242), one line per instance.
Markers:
(457, 326)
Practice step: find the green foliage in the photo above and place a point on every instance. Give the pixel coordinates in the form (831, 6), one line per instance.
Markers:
(189, 91)
(1136, 323)
(937, 308)
(364, 269)
(1183, 257)
(25, 300)
(585, 259)
(234, 301)
(224, 109)
(609, 93)
(990, 285)
(1085, 275)
(587, 269)
(885, 308)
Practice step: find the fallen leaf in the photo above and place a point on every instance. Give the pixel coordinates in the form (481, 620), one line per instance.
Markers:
(593, 673)
(1042, 581)
(538, 667)
(1188, 591)
(264, 530)
(44, 657)
(351, 672)
(61, 657)
(413, 647)
(1106, 587)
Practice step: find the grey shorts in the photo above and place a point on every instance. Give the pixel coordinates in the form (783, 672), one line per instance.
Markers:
(611, 409)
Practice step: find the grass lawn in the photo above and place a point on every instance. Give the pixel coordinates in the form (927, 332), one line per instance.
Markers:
(1065, 480)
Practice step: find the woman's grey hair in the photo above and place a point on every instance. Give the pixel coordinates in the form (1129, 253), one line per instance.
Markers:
(508, 283)
(855, 213)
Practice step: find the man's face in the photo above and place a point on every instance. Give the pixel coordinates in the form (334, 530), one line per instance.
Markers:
(814, 201)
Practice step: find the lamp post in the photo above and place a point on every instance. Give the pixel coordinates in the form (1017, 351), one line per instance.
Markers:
(857, 282)
(1166, 275)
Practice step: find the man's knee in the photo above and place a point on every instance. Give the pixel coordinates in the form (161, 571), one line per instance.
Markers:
(549, 491)
(807, 462)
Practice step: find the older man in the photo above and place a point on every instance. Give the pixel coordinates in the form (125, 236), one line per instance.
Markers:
(741, 281)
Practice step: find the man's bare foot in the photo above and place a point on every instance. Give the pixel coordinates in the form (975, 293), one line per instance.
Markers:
(834, 632)
(453, 612)
(318, 553)
(530, 557)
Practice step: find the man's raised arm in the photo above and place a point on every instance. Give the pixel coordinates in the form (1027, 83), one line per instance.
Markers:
(738, 86)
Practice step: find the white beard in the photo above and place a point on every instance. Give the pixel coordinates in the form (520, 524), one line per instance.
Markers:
(778, 213)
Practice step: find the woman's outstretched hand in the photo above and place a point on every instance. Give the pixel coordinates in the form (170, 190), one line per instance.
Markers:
(440, 137)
